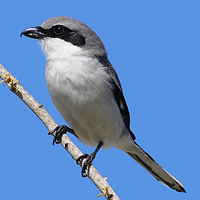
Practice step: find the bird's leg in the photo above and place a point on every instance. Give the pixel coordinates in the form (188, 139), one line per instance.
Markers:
(59, 131)
(89, 159)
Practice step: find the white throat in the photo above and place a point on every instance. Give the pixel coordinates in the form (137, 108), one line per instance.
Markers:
(56, 49)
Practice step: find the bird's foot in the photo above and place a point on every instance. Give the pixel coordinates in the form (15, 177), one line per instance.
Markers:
(89, 158)
(59, 131)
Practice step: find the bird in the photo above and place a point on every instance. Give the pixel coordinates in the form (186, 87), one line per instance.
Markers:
(86, 90)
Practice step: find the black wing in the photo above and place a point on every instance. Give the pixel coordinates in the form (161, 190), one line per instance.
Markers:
(117, 92)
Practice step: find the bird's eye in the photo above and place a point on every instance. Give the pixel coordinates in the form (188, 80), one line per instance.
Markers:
(58, 30)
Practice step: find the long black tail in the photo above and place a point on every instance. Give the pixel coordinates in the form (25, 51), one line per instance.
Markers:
(144, 159)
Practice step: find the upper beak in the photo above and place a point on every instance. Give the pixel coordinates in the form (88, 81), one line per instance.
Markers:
(35, 33)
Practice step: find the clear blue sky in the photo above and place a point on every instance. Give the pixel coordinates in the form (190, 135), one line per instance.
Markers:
(155, 47)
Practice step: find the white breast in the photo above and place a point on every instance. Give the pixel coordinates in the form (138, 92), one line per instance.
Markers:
(81, 92)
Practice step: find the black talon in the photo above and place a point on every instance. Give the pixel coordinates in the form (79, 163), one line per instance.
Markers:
(89, 158)
(86, 164)
(80, 158)
(59, 131)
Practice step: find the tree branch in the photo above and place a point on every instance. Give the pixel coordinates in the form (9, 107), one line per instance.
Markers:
(14, 85)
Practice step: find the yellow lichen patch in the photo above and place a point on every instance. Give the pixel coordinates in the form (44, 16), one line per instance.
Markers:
(11, 81)
(105, 193)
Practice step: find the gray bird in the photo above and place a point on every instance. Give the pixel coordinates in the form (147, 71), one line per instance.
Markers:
(86, 90)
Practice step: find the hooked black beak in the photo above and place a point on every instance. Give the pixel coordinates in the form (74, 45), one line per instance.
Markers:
(36, 33)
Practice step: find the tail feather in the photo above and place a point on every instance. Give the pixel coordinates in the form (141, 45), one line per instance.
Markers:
(145, 160)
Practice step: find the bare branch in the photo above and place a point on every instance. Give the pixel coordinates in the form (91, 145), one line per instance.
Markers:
(14, 85)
